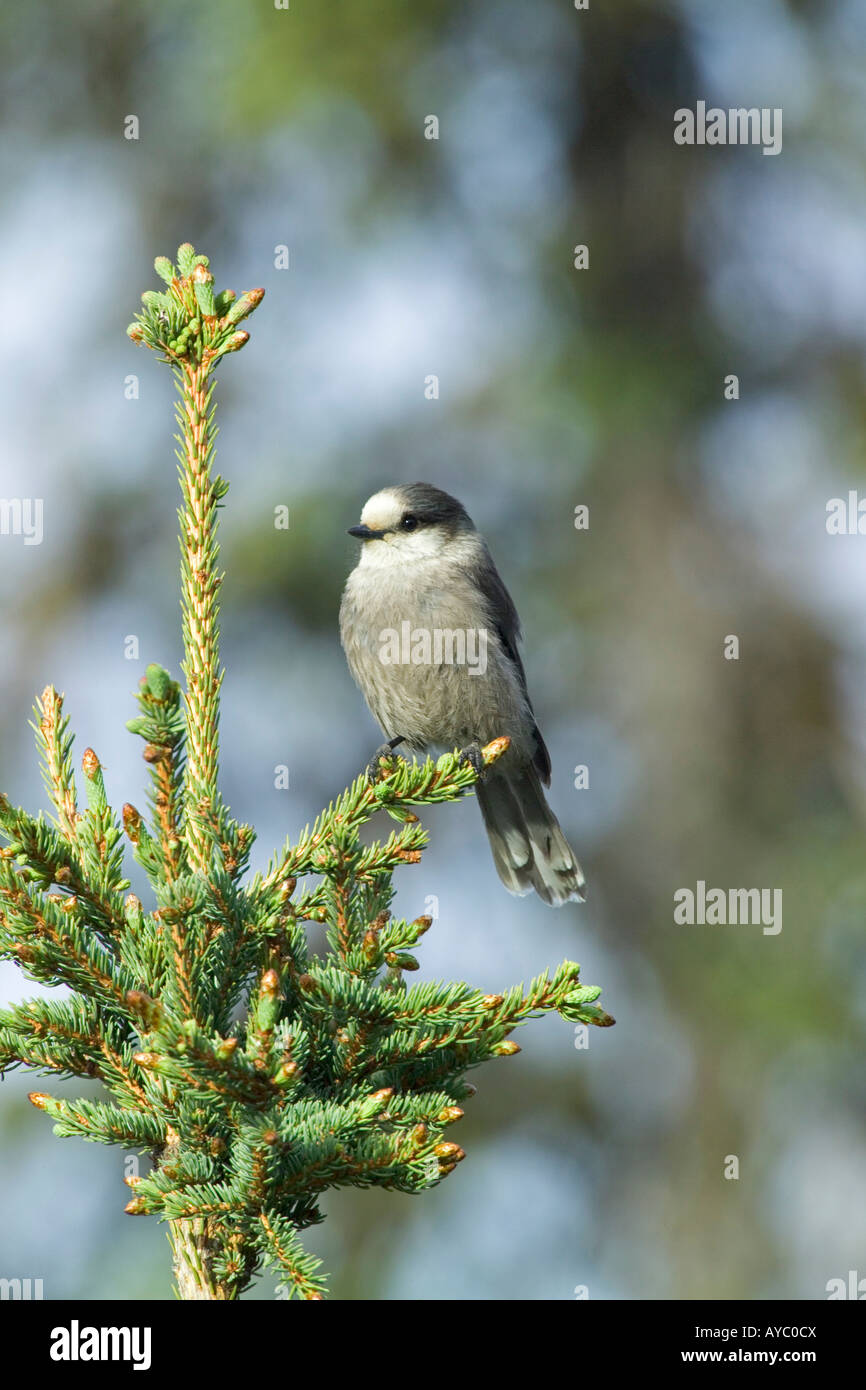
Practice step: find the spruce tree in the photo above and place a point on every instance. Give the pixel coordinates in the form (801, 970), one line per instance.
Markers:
(255, 1074)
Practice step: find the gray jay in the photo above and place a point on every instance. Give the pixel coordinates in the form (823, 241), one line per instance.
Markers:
(430, 634)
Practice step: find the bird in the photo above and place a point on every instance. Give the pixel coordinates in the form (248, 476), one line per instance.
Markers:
(431, 636)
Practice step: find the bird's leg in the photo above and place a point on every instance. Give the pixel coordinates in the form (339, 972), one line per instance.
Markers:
(473, 755)
(385, 750)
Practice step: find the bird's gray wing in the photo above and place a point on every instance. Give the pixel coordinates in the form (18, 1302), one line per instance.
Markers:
(505, 621)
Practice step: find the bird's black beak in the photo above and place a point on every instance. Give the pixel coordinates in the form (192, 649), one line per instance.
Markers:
(365, 533)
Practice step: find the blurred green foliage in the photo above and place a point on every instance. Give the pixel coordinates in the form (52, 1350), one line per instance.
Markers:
(559, 387)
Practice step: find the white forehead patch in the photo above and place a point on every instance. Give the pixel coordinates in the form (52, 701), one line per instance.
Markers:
(383, 510)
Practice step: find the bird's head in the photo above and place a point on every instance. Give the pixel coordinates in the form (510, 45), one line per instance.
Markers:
(409, 522)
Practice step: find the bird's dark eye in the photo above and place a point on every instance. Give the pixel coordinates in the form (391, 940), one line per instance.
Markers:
(409, 523)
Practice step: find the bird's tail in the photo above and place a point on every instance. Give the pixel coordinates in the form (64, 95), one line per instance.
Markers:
(529, 848)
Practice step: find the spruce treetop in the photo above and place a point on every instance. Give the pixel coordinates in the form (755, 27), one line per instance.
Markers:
(255, 1074)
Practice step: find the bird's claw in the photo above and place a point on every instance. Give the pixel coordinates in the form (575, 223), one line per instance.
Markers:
(474, 756)
(385, 750)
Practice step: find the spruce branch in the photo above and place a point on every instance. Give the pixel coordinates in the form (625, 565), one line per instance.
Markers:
(55, 745)
(256, 1075)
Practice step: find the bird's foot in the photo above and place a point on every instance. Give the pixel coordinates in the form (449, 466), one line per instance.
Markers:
(474, 756)
(385, 750)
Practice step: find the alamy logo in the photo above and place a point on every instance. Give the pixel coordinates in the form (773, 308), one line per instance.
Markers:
(438, 646)
(22, 516)
(739, 126)
(846, 516)
(854, 1287)
(734, 907)
(76, 1343)
(21, 1288)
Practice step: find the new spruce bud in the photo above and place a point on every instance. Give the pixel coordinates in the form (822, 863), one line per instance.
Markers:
(202, 284)
(243, 306)
(90, 763)
(132, 822)
(449, 1153)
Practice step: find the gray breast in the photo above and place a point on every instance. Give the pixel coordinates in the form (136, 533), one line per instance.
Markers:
(427, 660)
